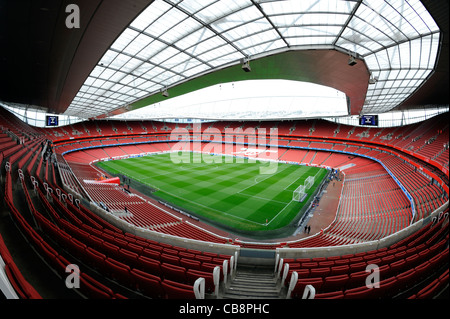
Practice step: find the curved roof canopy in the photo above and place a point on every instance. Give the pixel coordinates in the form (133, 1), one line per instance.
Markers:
(173, 42)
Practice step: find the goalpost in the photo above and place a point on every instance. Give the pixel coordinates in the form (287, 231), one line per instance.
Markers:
(309, 182)
(300, 193)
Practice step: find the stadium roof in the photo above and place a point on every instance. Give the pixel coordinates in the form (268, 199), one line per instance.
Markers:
(126, 52)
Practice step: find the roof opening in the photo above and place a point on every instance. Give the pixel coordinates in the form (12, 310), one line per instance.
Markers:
(249, 100)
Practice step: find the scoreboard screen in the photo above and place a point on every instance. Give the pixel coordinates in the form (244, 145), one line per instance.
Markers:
(368, 120)
(51, 120)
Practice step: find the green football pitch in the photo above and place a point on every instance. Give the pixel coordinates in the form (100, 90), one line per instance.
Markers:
(232, 192)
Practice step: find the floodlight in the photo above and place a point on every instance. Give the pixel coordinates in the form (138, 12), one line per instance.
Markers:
(373, 79)
(351, 61)
(246, 66)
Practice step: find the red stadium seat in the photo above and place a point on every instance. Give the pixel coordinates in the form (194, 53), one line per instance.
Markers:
(357, 279)
(119, 272)
(192, 275)
(128, 257)
(339, 270)
(330, 295)
(359, 293)
(190, 264)
(387, 288)
(148, 284)
(175, 290)
(357, 266)
(170, 259)
(149, 265)
(150, 253)
(320, 272)
(332, 283)
(93, 288)
(398, 266)
(95, 259)
(77, 248)
(297, 292)
(111, 250)
(173, 272)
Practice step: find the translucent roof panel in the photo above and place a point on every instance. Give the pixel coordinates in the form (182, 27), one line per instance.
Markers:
(173, 41)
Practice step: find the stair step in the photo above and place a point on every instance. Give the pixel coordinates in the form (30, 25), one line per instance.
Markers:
(254, 283)
(231, 295)
(255, 276)
(255, 286)
(247, 292)
(251, 280)
(250, 285)
(253, 290)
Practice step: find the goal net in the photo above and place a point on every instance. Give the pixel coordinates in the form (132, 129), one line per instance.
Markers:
(299, 194)
(309, 182)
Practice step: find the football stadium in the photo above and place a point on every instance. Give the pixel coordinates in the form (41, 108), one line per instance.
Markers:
(219, 149)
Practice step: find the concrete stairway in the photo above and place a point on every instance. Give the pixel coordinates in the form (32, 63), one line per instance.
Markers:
(253, 282)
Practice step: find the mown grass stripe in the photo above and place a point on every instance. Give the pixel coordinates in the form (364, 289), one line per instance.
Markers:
(235, 194)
